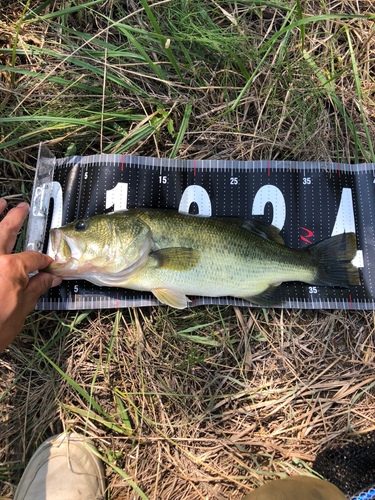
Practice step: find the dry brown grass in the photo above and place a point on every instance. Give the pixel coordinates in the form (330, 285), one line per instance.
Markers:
(208, 422)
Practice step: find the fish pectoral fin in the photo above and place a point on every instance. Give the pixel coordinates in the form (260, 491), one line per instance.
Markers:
(173, 298)
(176, 258)
(270, 297)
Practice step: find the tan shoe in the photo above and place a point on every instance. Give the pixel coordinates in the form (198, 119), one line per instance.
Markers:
(297, 488)
(63, 468)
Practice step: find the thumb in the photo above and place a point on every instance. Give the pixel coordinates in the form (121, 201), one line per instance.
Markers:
(38, 285)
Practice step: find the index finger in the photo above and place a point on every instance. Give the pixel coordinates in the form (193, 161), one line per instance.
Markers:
(33, 261)
(10, 226)
(3, 205)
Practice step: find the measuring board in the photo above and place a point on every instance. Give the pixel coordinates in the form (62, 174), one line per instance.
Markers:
(307, 201)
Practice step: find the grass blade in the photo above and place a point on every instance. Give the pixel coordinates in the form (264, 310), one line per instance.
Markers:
(123, 474)
(300, 16)
(201, 340)
(38, 9)
(181, 132)
(89, 415)
(64, 12)
(197, 327)
(123, 413)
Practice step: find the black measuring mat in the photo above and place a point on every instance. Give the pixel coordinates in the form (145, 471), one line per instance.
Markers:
(307, 201)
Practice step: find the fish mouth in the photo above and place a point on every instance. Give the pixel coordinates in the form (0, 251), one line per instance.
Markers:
(64, 248)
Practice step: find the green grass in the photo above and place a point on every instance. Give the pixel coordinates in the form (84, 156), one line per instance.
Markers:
(133, 59)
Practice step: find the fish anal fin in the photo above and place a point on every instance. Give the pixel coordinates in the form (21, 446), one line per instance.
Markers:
(176, 258)
(173, 298)
(269, 297)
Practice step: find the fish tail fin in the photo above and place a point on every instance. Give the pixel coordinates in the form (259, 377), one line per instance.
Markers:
(332, 258)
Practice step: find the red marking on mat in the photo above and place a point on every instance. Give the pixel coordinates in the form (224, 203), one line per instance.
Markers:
(195, 165)
(269, 168)
(122, 163)
(195, 301)
(338, 166)
(117, 301)
(308, 235)
(350, 300)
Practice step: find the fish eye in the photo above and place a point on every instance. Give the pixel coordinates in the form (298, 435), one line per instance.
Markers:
(81, 225)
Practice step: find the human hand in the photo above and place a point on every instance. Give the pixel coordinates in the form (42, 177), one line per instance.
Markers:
(18, 293)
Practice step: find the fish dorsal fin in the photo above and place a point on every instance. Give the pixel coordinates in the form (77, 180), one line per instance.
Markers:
(173, 298)
(268, 232)
(176, 258)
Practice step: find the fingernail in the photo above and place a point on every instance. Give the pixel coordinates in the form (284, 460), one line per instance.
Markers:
(56, 282)
(22, 204)
(2, 201)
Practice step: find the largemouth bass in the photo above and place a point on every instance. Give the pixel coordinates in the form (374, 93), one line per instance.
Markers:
(174, 255)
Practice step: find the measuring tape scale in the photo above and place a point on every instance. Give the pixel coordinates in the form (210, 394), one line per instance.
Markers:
(307, 201)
